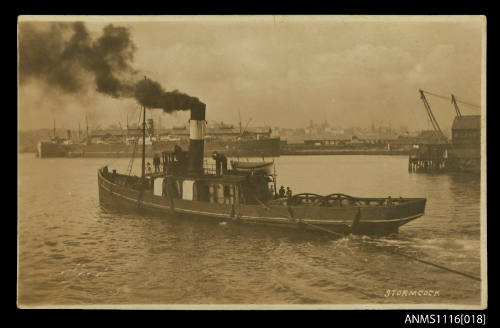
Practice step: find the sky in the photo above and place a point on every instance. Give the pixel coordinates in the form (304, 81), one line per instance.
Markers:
(285, 71)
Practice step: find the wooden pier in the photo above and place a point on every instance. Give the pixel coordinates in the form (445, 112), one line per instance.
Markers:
(428, 158)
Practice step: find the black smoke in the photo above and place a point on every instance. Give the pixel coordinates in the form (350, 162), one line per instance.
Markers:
(151, 94)
(62, 55)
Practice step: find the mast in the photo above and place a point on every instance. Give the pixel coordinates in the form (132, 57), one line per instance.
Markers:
(87, 123)
(239, 117)
(54, 128)
(274, 178)
(159, 129)
(143, 140)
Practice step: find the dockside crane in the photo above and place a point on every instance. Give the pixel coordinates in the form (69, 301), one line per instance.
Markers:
(434, 122)
(454, 102)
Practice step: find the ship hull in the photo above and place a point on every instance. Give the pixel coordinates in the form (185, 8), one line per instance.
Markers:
(251, 148)
(379, 220)
(46, 149)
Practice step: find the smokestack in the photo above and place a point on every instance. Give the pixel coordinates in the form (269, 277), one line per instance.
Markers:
(196, 139)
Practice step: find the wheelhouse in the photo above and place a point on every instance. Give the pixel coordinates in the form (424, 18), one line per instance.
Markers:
(222, 187)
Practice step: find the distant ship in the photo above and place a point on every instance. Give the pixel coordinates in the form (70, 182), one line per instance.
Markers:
(51, 148)
(267, 147)
(222, 138)
(58, 147)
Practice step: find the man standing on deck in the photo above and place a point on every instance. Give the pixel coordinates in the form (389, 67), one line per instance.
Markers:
(156, 163)
(282, 192)
(223, 163)
(215, 156)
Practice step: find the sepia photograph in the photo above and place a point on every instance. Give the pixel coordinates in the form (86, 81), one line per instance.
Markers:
(251, 162)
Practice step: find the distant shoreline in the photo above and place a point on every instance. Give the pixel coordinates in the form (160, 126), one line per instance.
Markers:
(310, 152)
(283, 153)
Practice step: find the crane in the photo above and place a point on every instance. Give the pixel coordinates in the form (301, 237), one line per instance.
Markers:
(434, 122)
(454, 101)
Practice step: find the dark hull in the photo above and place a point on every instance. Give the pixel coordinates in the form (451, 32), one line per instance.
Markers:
(120, 150)
(249, 148)
(47, 149)
(378, 220)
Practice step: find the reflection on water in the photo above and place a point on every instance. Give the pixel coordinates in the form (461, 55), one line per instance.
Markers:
(72, 251)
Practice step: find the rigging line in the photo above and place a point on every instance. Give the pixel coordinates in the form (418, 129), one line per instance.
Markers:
(131, 163)
(449, 98)
(436, 95)
(116, 153)
(466, 103)
(438, 266)
(116, 158)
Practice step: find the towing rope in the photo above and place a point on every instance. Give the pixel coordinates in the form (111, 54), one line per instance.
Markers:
(438, 266)
(467, 275)
(354, 225)
(464, 274)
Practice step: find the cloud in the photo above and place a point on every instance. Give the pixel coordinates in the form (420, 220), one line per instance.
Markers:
(286, 74)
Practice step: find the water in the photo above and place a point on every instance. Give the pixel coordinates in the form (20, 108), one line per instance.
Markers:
(73, 252)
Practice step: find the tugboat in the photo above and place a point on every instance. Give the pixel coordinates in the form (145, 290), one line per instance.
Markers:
(245, 194)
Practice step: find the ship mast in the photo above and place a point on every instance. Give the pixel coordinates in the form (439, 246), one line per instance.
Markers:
(143, 140)
(87, 124)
